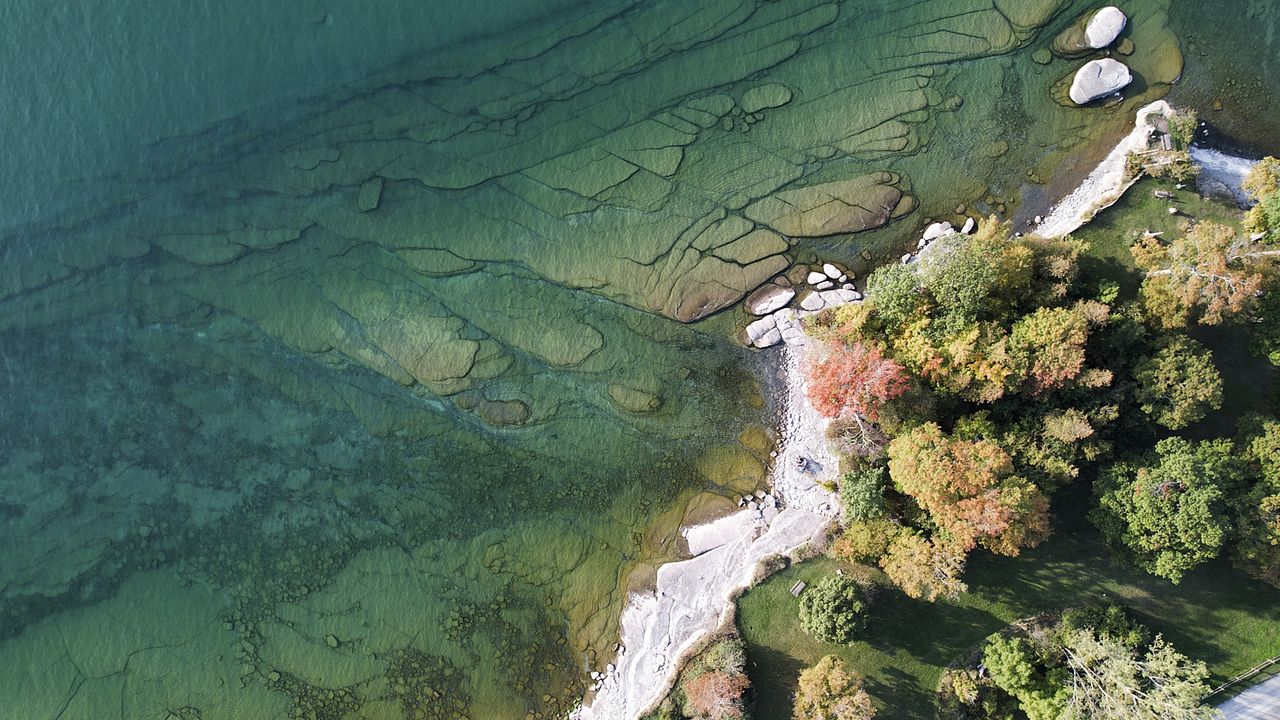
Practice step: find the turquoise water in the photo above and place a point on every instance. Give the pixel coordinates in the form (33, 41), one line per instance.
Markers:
(357, 359)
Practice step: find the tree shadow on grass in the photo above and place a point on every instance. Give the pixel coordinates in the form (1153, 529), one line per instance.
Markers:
(900, 695)
(932, 633)
(773, 676)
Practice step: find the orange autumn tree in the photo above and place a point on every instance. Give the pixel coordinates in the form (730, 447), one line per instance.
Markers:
(970, 491)
(854, 379)
(716, 695)
(1211, 273)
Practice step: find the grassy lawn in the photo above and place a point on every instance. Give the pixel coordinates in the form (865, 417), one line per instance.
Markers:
(1249, 380)
(1217, 614)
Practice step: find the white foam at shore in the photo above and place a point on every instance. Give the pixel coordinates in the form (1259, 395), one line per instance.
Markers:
(694, 597)
(1220, 167)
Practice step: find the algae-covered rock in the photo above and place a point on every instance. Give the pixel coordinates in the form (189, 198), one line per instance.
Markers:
(768, 298)
(633, 399)
(764, 97)
(503, 412)
(732, 467)
(370, 194)
(830, 208)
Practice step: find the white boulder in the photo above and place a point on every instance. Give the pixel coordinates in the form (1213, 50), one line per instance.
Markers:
(759, 328)
(813, 301)
(825, 285)
(769, 339)
(936, 230)
(768, 298)
(1104, 27)
(969, 226)
(831, 271)
(840, 297)
(1099, 78)
(815, 277)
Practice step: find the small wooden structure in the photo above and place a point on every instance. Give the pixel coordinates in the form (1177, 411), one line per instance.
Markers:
(797, 588)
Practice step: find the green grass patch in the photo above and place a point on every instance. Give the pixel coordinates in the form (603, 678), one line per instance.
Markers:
(1217, 614)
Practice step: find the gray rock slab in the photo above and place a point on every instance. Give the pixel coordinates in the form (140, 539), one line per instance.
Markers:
(769, 298)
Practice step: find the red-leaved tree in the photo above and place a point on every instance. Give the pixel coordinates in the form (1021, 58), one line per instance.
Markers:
(854, 379)
(716, 695)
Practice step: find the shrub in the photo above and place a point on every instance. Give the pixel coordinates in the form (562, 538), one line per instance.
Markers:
(713, 685)
(865, 540)
(862, 494)
(834, 609)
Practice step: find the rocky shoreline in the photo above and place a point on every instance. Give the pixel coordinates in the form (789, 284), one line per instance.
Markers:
(695, 597)
(1105, 184)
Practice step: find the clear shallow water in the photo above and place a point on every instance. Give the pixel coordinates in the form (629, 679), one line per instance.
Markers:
(339, 365)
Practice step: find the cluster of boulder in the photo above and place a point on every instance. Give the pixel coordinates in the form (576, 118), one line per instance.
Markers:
(1091, 33)
(829, 286)
(937, 231)
(817, 288)
(765, 506)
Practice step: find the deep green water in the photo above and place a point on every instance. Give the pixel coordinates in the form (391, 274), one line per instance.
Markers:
(341, 361)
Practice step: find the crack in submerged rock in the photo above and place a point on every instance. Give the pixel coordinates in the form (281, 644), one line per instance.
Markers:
(459, 139)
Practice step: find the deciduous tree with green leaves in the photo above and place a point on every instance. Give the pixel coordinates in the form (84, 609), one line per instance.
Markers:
(1257, 548)
(1168, 513)
(1179, 384)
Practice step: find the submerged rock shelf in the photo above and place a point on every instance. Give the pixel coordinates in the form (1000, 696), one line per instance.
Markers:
(423, 347)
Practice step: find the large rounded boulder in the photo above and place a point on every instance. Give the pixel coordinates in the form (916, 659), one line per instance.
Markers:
(1098, 79)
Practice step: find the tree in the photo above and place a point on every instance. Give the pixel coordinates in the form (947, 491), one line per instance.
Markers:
(834, 609)
(1049, 347)
(923, 568)
(1178, 385)
(1168, 514)
(1109, 680)
(716, 695)
(862, 494)
(976, 276)
(853, 379)
(969, 490)
(1266, 325)
(865, 540)
(1262, 184)
(831, 691)
(1210, 273)
(1258, 511)
(1016, 669)
(894, 292)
